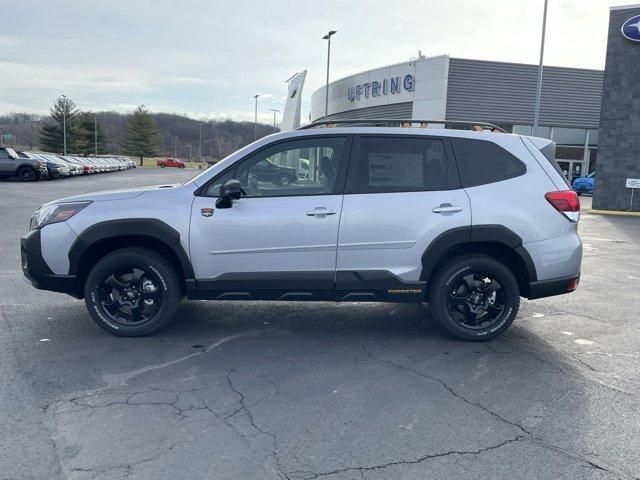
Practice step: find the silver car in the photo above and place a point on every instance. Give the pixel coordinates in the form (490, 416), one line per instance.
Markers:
(467, 221)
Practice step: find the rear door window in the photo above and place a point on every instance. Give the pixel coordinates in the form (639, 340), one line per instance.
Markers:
(481, 162)
(401, 164)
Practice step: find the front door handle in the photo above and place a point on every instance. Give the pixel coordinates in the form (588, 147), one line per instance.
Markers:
(320, 212)
(446, 208)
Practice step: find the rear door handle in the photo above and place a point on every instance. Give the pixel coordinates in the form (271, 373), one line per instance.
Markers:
(320, 212)
(446, 208)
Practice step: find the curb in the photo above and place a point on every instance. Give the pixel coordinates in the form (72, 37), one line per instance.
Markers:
(619, 213)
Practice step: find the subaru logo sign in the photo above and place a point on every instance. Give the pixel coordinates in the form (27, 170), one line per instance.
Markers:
(631, 29)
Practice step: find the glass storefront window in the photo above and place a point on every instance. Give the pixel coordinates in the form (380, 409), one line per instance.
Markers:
(569, 136)
(569, 153)
(522, 129)
(543, 132)
(592, 160)
(593, 138)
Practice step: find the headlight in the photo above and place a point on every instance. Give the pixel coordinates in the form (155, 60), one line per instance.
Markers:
(58, 212)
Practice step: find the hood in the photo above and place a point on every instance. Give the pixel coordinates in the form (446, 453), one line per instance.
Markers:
(120, 194)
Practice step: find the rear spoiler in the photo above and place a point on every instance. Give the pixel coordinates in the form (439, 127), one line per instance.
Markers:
(548, 149)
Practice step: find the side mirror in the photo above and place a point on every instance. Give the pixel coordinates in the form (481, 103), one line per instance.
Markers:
(229, 191)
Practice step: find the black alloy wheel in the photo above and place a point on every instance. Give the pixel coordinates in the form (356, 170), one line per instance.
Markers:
(131, 297)
(132, 292)
(476, 300)
(473, 297)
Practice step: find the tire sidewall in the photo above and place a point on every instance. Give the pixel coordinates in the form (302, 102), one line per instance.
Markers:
(165, 277)
(438, 299)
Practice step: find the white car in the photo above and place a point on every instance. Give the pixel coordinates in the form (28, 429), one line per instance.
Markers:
(467, 221)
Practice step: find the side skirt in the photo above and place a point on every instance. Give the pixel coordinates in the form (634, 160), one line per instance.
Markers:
(341, 286)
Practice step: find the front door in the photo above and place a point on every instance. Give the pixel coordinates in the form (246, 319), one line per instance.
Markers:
(402, 192)
(276, 242)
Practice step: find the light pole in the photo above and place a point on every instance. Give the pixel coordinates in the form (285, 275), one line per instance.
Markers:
(327, 37)
(64, 126)
(274, 118)
(106, 141)
(200, 144)
(536, 112)
(255, 119)
(95, 134)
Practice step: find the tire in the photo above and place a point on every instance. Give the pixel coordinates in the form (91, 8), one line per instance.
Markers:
(116, 276)
(459, 291)
(27, 174)
(181, 166)
(283, 180)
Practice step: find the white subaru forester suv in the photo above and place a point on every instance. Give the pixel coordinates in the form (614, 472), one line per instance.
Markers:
(466, 220)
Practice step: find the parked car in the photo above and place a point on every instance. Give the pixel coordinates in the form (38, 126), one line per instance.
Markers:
(388, 219)
(170, 162)
(267, 171)
(584, 184)
(56, 167)
(23, 166)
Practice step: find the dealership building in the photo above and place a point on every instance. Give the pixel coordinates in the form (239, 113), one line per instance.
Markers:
(446, 88)
(592, 115)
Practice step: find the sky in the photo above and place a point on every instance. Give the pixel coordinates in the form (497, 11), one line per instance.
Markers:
(208, 58)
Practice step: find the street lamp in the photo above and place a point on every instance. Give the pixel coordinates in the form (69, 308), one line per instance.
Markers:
(327, 37)
(536, 112)
(64, 126)
(95, 134)
(274, 118)
(255, 120)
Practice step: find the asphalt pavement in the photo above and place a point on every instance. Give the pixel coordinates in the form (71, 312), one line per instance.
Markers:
(267, 390)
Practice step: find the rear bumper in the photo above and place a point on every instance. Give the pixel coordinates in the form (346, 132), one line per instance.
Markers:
(554, 286)
(38, 272)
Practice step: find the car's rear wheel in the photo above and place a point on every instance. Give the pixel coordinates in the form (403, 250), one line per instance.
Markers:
(474, 297)
(132, 292)
(283, 180)
(27, 174)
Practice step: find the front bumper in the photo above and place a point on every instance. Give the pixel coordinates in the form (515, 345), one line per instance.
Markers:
(38, 272)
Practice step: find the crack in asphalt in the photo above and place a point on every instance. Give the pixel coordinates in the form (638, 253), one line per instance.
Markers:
(528, 435)
(246, 409)
(361, 469)
(447, 387)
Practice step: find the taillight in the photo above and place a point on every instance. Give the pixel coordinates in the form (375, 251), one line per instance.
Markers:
(567, 202)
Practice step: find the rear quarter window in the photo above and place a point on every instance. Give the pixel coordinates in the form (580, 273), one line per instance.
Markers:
(481, 162)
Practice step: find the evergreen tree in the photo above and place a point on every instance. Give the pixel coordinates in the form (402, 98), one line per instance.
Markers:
(88, 124)
(51, 134)
(141, 134)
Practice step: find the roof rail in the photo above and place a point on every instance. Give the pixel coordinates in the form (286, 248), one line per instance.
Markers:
(405, 123)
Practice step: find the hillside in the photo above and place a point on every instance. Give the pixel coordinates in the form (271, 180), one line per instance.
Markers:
(178, 134)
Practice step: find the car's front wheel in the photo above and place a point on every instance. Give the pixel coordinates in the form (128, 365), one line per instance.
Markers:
(27, 174)
(132, 292)
(474, 297)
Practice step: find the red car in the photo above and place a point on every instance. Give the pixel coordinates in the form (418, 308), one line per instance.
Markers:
(170, 162)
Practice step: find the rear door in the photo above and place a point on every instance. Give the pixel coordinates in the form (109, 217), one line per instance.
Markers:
(402, 192)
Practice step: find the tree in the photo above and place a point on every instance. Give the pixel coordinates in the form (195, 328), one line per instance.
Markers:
(88, 123)
(63, 112)
(141, 134)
